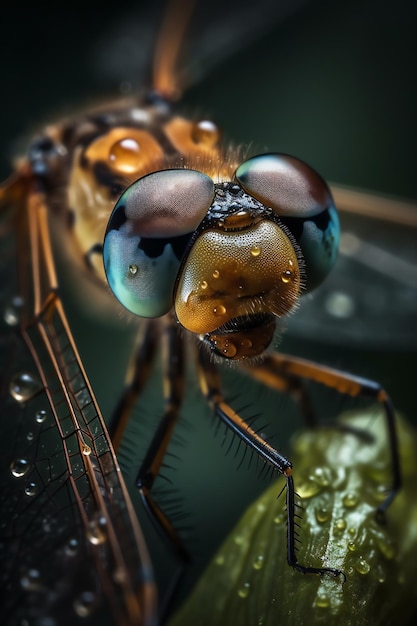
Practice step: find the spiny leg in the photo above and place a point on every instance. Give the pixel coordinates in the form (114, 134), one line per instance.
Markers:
(211, 388)
(173, 392)
(136, 378)
(283, 366)
(268, 373)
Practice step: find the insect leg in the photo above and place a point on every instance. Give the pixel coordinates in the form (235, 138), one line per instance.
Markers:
(211, 388)
(354, 386)
(137, 375)
(173, 391)
(271, 375)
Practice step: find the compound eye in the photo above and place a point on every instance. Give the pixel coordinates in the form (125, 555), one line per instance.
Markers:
(302, 201)
(287, 185)
(147, 234)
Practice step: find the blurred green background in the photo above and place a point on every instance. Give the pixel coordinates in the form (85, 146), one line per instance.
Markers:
(333, 83)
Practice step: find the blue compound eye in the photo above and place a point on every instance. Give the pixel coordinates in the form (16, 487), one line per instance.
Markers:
(146, 236)
(302, 201)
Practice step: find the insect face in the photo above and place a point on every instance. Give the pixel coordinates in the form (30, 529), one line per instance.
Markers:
(229, 256)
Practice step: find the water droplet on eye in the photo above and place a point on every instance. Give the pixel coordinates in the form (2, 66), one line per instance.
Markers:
(216, 274)
(229, 349)
(126, 155)
(40, 416)
(258, 562)
(31, 489)
(205, 132)
(133, 269)
(86, 450)
(350, 500)
(219, 310)
(84, 605)
(363, 566)
(204, 284)
(19, 467)
(71, 547)
(24, 386)
(286, 276)
(246, 343)
(31, 580)
(255, 251)
(243, 592)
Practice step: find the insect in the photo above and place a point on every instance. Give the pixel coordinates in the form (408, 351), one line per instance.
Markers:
(86, 603)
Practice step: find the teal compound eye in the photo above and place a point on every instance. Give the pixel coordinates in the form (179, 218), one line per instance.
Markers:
(147, 234)
(301, 200)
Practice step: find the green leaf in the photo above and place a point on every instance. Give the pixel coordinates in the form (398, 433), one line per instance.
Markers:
(341, 478)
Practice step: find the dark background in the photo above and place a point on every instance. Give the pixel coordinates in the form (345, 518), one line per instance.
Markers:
(333, 83)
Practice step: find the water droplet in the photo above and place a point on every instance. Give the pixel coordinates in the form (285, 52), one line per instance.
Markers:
(86, 450)
(255, 251)
(387, 548)
(258, 562)
(216, 274)
(340, 524)
(246, 343)
(322, 514)
(322, 602)
(340, 305)
(229, 349)
(40, 416)
(84, 605)
(31, 489)
(278, 519)
(286, 276)
(352, 546)
(243, 592)
(95, 531)
(31, 580)
(204, 284)
(205, 132)
(350, 500)
(381, 493)
(219, 559)
(363, 566)
(13, 312)
(19, 467)
(126, 155)
(24, 387)
(30, 436)
(133, 269)
(219, 310)
(238, 540)
(120, 576)
(72, 547)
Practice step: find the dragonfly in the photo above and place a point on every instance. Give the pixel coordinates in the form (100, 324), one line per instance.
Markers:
(82, 433)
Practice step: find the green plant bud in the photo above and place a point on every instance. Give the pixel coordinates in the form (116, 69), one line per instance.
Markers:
(341, 478)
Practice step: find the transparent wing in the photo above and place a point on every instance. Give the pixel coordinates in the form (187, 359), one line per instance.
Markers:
(71, 548)
(370, 299)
